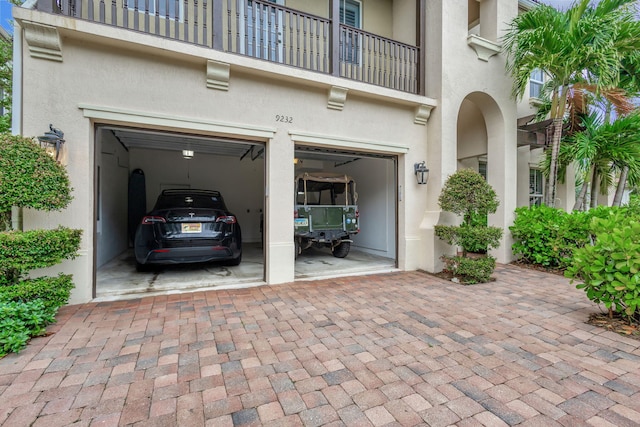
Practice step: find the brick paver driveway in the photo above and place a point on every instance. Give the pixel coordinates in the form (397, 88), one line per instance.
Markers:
(395, 349)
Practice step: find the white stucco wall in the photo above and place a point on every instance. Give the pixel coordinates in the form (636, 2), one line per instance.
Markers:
(119, 77)
(452, 78)
(129, 79)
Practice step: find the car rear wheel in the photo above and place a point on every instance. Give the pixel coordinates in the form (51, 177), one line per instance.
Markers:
(341, 250)
(236, 260)
(143, 268)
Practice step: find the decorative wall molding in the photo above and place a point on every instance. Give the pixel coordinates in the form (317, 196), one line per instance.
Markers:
(43, 40)
(109, 115)
(218, 75)
(330, 141)
(337, 97)
(423, 112)
(535, 102)
(484, 48)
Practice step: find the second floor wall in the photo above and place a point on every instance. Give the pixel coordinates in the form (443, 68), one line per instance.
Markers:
(381, 42)
(374, 41)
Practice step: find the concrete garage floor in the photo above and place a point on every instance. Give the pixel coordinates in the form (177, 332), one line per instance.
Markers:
(118, 279)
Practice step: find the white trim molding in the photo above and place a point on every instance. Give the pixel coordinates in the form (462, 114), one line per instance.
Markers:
(43, 40)
(162, 121)
(337, 97)
(423, 112)
(218, 75)
(484, 48)
(346, 143)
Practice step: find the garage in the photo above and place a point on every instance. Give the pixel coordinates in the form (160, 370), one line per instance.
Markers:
(161, 160)
(374, 247)
(236, 168)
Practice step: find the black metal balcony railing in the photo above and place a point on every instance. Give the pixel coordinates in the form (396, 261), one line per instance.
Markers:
(262, 30)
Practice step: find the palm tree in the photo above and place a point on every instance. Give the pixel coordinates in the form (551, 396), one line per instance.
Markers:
(584, 44)
(602, 149)
(630, 79)
(582, 102)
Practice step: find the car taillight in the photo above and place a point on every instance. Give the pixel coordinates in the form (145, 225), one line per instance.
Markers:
(230, 219)
(153, 219)
(357, 213)
(295, 214)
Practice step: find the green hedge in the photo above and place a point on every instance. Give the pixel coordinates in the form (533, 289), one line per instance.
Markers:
(21, 252)
(29, 177)
(470, 238)
(28, 307)
(53, 291)
(470, 270)
(548, 236)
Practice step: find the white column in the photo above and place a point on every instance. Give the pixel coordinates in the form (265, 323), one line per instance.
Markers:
(278, 221)
(524, 155)
(502, 168)
(566, 192)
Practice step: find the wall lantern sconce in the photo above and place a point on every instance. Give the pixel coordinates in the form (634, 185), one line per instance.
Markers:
(187, 154)
(421, 172)
(52, 141)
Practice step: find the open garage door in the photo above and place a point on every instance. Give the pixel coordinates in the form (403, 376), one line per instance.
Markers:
(134, 166)
(374, 247)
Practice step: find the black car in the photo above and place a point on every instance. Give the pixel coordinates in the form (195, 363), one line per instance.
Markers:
(187, 226)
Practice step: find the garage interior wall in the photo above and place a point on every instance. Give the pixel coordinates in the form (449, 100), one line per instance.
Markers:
(376, 201)
(377, 205)
(113, 176)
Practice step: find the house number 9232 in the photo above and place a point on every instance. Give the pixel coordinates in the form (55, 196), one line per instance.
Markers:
(284, 119)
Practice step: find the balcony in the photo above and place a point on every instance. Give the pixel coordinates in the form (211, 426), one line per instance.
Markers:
(267, 31)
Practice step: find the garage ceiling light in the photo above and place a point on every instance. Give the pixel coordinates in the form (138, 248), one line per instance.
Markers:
(187, 154)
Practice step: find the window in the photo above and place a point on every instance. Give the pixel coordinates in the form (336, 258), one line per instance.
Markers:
(535, 187)
(535, 83)
(350, 40)
(350, 13)
(165, 8)
(482, 169)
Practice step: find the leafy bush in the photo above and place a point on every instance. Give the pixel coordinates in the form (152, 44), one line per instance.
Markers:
(29, 177)
(549, 237)
(21, 251)
(468, 194)
(539, 234)
(470, 271)
(19, 321)
(473, 239)
(54, 292)
(610, 268)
